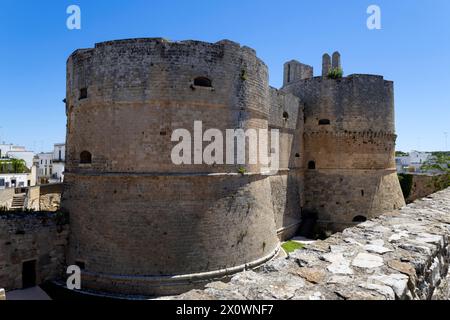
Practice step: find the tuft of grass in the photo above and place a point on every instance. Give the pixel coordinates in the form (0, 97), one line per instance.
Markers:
(291, 246)
(242, 170)
(335, 73)
(244, 75)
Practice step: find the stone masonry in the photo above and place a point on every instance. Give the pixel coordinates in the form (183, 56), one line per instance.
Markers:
(141, 224)
(38, 237)
(403, 254)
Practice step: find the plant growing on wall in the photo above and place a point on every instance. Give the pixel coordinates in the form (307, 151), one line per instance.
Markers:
(243, 75)
(335, 73)
(242, 170)
(13, 166)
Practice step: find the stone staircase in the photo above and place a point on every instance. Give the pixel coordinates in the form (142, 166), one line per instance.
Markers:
(18, 202)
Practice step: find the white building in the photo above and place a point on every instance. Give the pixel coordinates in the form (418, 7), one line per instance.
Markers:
(44, 169)
(50, 165)
(412, 162)
(59, 158)
(59, 152)
(14, 180)
(17, 152)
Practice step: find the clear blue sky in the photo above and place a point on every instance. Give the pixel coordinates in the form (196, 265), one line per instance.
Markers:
(413, 49)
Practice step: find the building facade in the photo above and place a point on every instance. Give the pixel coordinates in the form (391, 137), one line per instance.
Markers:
(50, 165)
(14, 180)
(17, 152)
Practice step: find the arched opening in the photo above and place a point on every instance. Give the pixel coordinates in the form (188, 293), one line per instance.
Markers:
(359, 219)
(202, 82)
(85, 157)
(312, 165)
(285, 115)
(297, 155)
(324, 122)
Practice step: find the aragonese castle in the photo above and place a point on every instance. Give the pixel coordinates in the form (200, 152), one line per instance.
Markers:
(141, 225)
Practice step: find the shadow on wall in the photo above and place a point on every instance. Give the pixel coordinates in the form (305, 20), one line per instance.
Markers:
(337, 201)
(416, 186)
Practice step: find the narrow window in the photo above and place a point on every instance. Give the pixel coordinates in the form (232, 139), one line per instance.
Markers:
(297, 155)
(85, 157)
(312, 165)
(359, 219)
(289, 73)
(362, 193)
(83, 93)
(324, 122)
(285, 115)
(202, 82)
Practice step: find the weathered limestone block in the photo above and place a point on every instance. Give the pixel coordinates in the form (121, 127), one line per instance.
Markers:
(401, 255)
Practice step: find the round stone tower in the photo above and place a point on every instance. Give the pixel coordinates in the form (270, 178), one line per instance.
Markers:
(349, 137)
(141, 224)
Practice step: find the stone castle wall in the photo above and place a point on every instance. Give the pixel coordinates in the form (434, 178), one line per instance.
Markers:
(349, 148)
(139, 223)
(286, 115)
(142, 225)
(27, 237)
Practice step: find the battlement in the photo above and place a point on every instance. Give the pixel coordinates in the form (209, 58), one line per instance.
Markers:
(149, 42)
(295, 71)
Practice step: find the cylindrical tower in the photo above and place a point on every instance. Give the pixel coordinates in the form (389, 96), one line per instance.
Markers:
(349, 138)
(141, 224)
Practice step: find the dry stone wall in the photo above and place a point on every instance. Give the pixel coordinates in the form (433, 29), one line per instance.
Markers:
(6, 196)
(38, 237)
(403, 254)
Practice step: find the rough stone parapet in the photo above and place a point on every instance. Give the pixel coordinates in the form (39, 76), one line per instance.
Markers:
(400, 255)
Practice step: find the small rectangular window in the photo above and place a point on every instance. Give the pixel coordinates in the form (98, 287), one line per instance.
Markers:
(28, 274)
(80, 264)
(83, 93)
